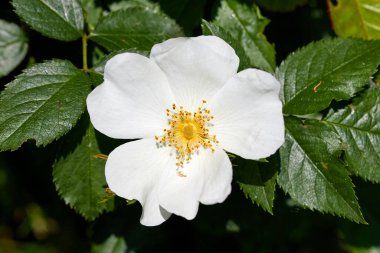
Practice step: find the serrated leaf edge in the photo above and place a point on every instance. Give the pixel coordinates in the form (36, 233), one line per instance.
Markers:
(80, 33)
(23, 75)
(360, 216)
(67, 202)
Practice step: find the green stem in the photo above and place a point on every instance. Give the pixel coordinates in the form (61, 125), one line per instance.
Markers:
(84, 52)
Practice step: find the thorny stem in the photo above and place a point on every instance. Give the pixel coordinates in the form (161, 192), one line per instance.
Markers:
(84, 52)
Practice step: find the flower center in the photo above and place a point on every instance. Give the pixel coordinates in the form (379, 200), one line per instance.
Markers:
(188, 132)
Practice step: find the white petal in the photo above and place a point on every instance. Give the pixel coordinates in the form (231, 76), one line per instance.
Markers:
(131, 102)
(196, 67)
(217, 178)
(248, 115)
(207, 179)
(132, 170)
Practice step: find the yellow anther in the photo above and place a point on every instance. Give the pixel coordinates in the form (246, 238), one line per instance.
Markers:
(188, 132)
(180, 174)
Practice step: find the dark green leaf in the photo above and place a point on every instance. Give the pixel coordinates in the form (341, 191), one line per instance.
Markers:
(187, 13)
(258, 181)
(137, 27)
(211, 29)
(311, 172)
(58, 19)
(146, 4)
(99, 66)
(364, 239)
(42, 104)
(95, 78)
(113, 244)
(359, 129)
(13, 47)
(280, 5)
(329, 69)
(246, 25)
(377, 80)
(79, 175)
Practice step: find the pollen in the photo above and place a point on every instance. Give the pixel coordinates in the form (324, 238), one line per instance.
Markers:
(188, 132)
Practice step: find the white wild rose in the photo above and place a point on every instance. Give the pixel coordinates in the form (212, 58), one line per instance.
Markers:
(187, 105)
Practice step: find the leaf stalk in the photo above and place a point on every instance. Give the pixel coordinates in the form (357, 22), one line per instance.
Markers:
(84, 52)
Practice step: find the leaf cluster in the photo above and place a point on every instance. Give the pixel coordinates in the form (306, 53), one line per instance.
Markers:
(331, 104)
(325, 130)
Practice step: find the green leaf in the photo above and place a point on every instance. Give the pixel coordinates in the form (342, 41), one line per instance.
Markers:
(13, 47)
(99, 66)
(258, 181)
(322, 71)
(377, 80)
(92, 13)
(356, 18)
(57, 19)
(211, 29)
(359, 130)
(113, 244)
(280, 5)
(359, 238)
(353, 249)
(246, 25)
(311, 172)
(187, 13)
(79, 175)
(137, 27)
(146, 4)
(42, 104)
(96, 78)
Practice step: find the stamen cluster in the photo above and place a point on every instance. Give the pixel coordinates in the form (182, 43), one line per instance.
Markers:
(188, 132)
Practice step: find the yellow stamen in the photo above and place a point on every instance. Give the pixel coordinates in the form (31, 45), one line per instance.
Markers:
(188, 132)
(180, 174)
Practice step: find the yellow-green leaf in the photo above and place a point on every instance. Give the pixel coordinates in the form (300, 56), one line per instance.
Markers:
(356, 18)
